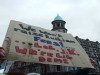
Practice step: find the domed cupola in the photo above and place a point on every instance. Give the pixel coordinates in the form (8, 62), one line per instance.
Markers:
(59, 24)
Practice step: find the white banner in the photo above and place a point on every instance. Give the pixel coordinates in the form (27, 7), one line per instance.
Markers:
(34, 44)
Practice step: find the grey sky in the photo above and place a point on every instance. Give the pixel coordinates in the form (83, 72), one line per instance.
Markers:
(81, 16)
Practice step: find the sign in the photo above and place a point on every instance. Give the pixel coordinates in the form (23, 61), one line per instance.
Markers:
(34, 44)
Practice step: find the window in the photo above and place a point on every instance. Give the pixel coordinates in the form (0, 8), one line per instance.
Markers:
(55, 25)
(70, 68)
(58, 67)
(99, 45)
(48, 68)
(97, 55)
(99, 62)
(58, 25)
(65, 68)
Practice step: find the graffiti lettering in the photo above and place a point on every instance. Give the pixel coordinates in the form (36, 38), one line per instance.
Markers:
(71, 51)
(23, 51)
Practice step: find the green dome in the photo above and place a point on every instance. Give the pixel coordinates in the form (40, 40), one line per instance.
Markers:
(58, 18)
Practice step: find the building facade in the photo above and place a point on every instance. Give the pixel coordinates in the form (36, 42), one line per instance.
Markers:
(91, 48)
(93, 51)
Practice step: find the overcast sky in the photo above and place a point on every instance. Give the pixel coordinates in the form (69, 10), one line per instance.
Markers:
(82, 16)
